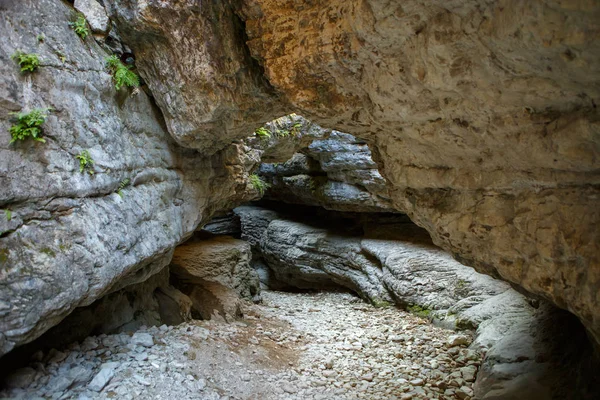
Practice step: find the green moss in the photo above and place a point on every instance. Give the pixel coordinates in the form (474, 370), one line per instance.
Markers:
(258, 184)
(80, 26)
(27, 62)
(3, 256)
(122, 185)
(262, 133)
(419, 311)
(380, 303)
(461, 283)
(48, 251)
(8, 214)
(85, 162)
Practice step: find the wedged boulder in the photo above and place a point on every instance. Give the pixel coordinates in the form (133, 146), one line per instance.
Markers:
(221, 259)
(212, 300)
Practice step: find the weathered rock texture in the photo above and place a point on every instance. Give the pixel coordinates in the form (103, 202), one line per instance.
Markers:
(71, 238)
(388, 258)
(482, 115)
(221, 259)
(337, 173)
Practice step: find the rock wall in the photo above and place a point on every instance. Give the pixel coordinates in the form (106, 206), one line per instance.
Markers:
(69, 238)
(481, 115)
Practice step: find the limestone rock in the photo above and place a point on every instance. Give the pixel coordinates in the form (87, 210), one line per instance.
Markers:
(94, 14)
(220, 259)
(90, 241)
(337, 173)
(483, 123)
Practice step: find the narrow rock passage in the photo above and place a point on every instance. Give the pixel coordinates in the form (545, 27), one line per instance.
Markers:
(293, 346)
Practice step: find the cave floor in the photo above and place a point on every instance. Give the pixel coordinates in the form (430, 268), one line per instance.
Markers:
(292, 346)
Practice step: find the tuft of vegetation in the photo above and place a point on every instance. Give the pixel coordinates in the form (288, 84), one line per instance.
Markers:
(80, 26)
(48, 251)
(258, 184)
(41, 38)
(262, 133)
(381, 303)
(122, 74)
(86, 163)
(122, 186)
(419, 311)
(3, 256)
(296, 129)
(283, 132)
(8, 214)
(27, 62)
(29, 125)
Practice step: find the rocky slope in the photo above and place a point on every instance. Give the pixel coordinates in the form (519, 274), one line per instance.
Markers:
(481, 115)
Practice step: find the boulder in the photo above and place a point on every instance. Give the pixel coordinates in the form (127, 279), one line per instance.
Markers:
(221, 259)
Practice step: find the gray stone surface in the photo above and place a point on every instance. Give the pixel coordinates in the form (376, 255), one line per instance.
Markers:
(71, 238)
(391, 260)
(94, 13)
(337, 173)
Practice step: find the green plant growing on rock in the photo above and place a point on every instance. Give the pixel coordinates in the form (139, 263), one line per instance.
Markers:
(8, 214)
(296, 129)
(124, 183)
(80, 26)
(86, 163)
(419, 311)
(258, 184)
(29, 125)
(283, 132)
(27, 62)
(262, 133)
(122, 74)
(41, 38)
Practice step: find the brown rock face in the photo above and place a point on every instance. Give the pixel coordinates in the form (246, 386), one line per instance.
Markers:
(482, 115)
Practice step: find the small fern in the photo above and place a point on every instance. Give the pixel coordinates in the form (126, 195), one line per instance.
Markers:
(80, 26)
(27, 62)
(283, 133)
(258, 184)
(29, 125)
(122, 74)
(262, 133)
(122, 186)
(85, 162)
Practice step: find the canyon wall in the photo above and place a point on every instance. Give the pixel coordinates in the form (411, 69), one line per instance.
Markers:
(481, 115)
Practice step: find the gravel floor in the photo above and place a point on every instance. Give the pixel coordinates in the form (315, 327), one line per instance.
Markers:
(293, 346)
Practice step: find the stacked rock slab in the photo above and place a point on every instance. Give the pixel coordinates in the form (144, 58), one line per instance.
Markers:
(336, 173)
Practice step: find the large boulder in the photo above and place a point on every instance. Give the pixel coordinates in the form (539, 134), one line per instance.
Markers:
(220, 259)
(69, 238)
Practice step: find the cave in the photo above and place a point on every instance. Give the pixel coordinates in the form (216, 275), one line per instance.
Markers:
(319, 238)
(299, 199)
